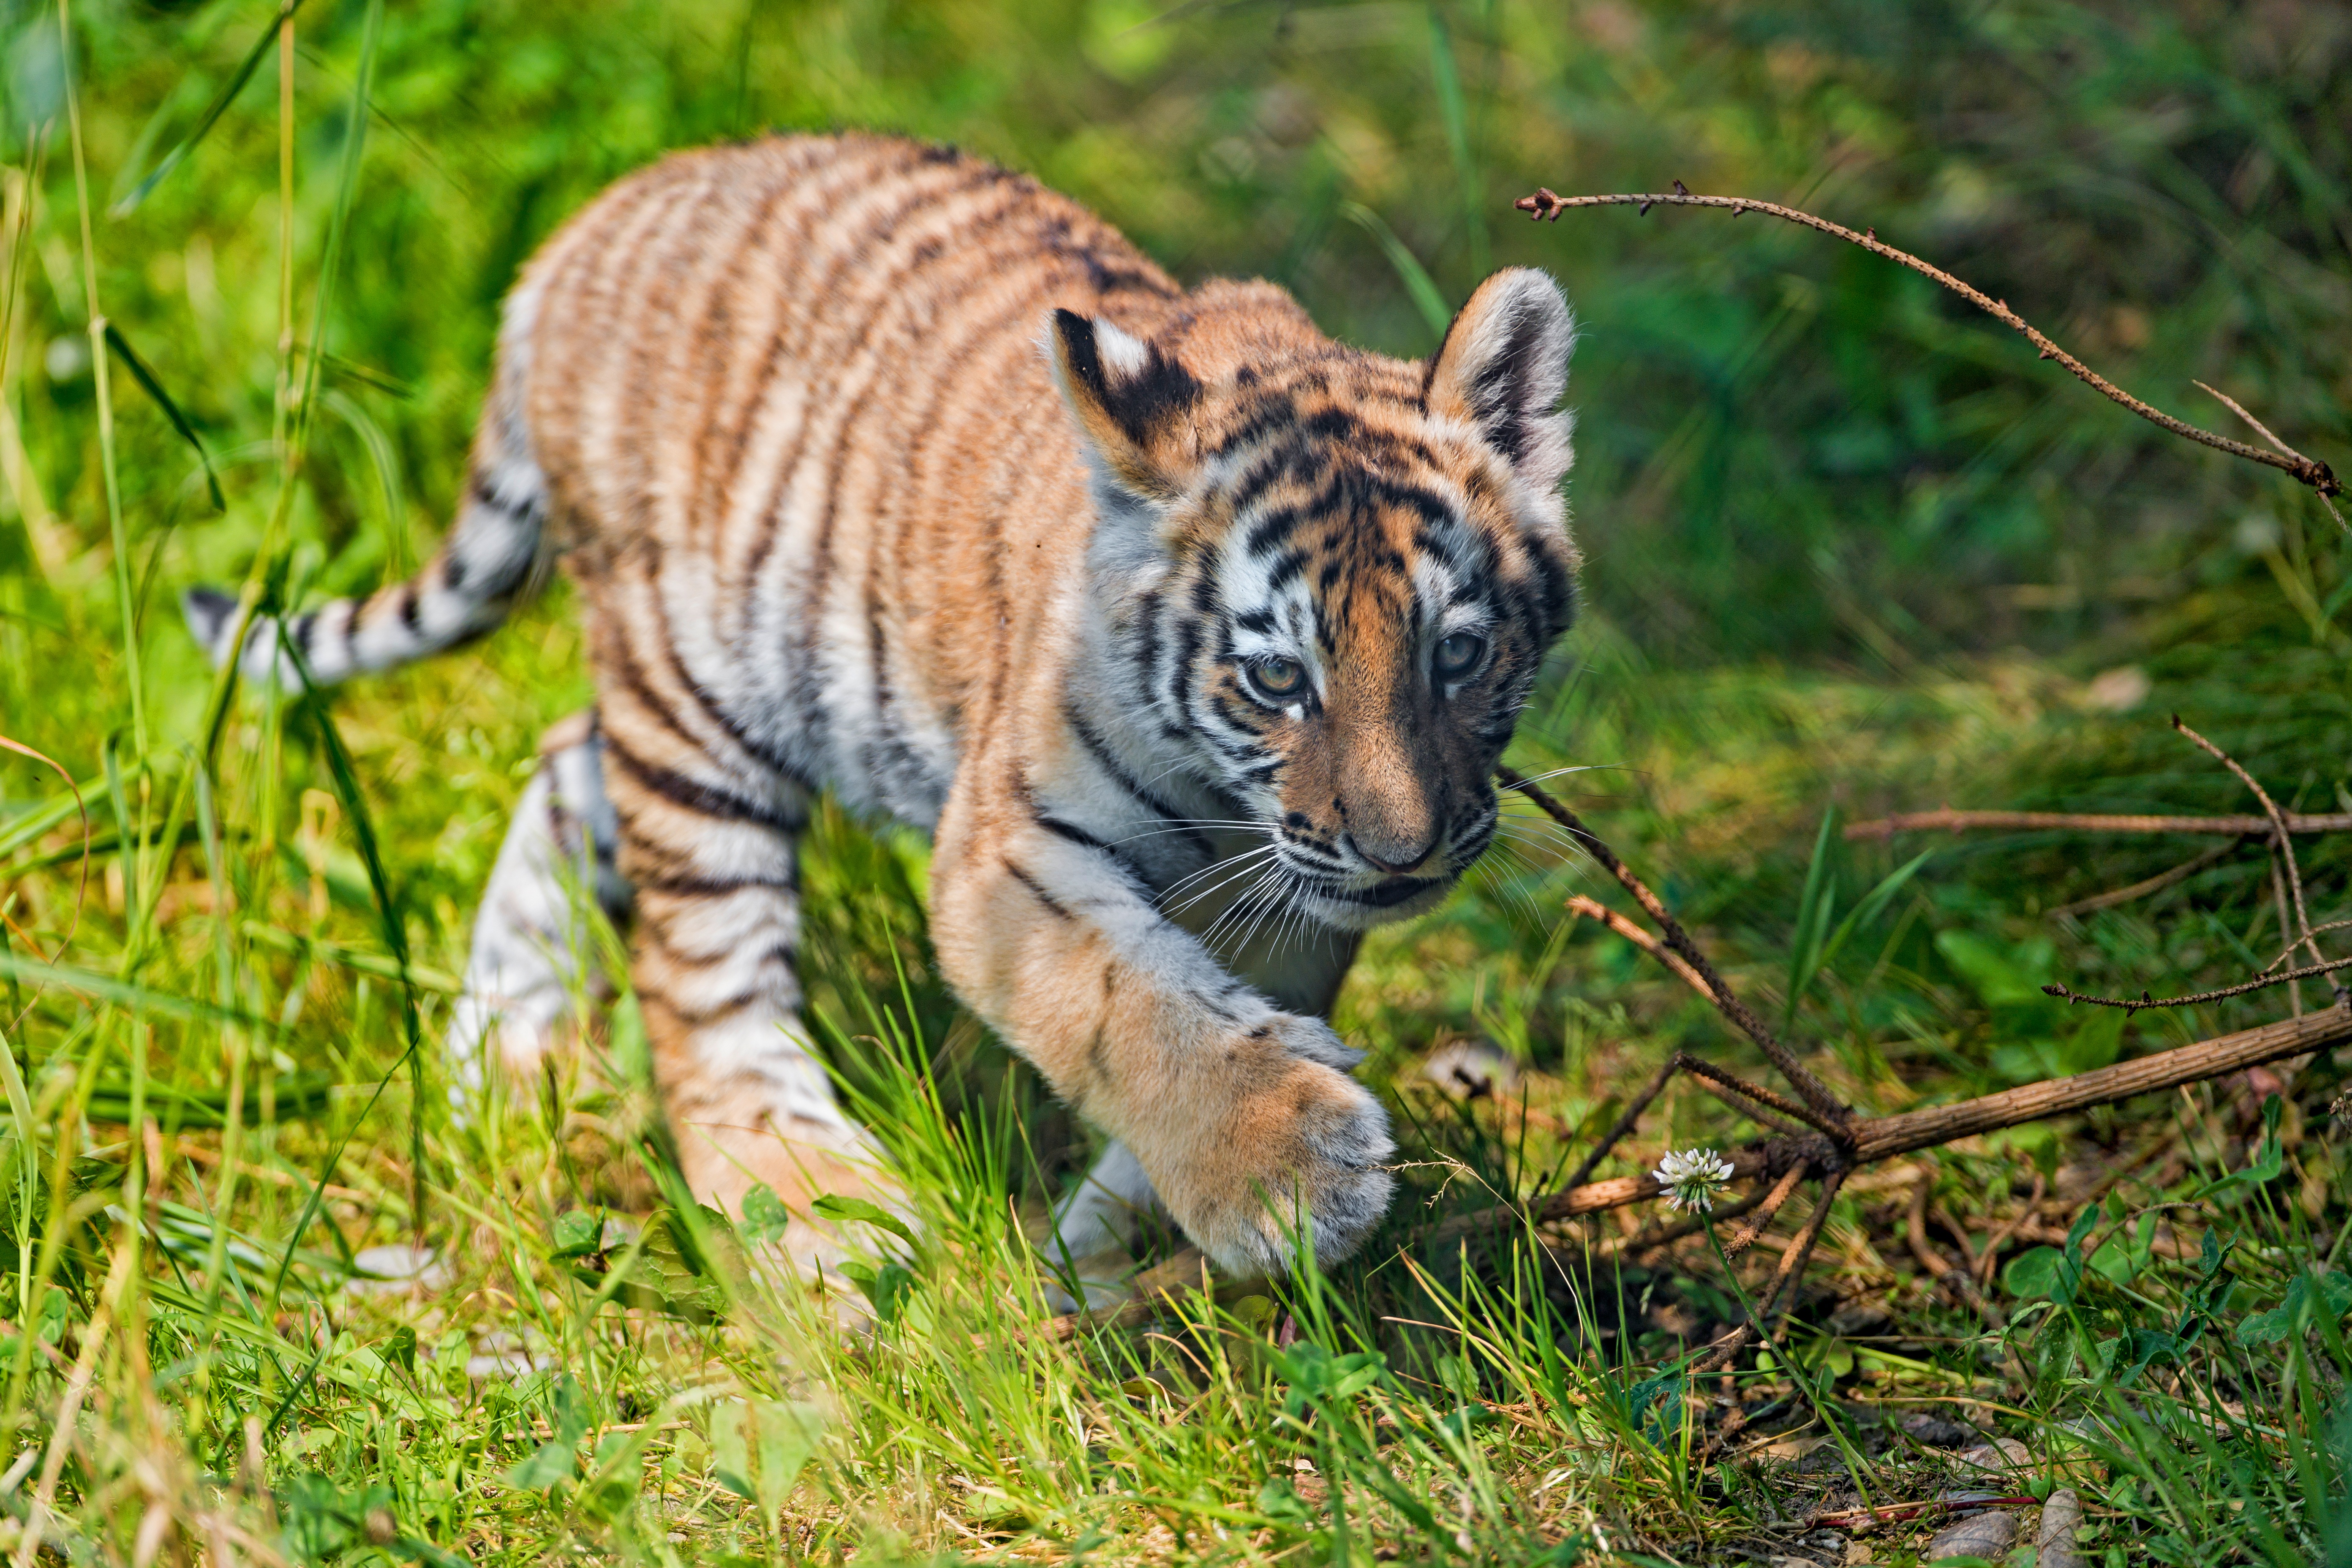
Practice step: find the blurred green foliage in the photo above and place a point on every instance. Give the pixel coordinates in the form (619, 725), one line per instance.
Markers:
(1789, 449)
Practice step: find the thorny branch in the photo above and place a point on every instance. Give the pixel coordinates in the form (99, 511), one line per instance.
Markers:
(1545, 205)
(2144, 1002)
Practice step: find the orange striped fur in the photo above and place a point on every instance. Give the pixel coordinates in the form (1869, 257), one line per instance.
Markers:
(1192, 636)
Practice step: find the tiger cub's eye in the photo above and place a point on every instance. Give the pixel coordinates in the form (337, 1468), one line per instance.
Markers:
(1459, 653)
(1279, 679)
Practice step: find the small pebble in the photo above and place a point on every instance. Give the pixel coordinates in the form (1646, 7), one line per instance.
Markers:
(1990, 1535)
(2062, 1515)
(1936, 1432)
(2006, 1454)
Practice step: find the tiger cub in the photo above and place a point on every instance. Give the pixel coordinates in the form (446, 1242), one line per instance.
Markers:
(1191, 636)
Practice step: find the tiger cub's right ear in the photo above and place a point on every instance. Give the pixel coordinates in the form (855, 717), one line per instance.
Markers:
(1130, 400)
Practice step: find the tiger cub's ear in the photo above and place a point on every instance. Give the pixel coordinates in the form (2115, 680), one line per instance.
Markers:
(1130, 400)
(1504, 367)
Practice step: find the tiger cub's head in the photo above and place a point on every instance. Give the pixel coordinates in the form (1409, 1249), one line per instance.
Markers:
(1329, 577)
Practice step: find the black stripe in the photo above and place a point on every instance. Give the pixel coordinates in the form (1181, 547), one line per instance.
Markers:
(1043, 897)
(719, 717)
(1273, 528)
(692, 796)
(1104, 759)
(477, 490)
(781, 953)
(677, 887)
(1071, 832)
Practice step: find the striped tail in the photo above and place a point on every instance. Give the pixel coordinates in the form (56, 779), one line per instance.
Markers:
(492, 562)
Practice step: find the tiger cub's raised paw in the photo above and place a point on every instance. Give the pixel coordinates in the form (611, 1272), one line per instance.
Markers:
(1301, 1155)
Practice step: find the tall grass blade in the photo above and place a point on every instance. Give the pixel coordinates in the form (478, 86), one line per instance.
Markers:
(1421, 289)
(1454, 109)
(213, 112)
(1814, 909)
(145, 377)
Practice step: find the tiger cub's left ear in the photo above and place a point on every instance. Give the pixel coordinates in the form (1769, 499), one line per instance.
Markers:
(1132, 401)
(1504, 367)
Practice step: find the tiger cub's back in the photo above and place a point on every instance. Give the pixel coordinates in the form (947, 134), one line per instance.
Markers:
(790, 404)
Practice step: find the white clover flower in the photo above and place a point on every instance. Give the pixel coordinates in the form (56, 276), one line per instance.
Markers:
(1692, 1178)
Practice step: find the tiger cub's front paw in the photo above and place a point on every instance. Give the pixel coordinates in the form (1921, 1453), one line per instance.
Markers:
(1302, 1146)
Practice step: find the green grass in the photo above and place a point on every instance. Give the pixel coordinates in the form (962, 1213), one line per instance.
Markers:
(1851, 551)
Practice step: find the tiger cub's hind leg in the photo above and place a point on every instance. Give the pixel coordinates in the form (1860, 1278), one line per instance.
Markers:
(708, 843)
(532, 954)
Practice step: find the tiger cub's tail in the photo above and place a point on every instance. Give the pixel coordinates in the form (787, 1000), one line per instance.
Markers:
(491, 560)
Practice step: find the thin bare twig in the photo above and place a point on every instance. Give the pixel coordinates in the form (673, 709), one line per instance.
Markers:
(1792, 1267)
(1815, 1092)
(1594, 910)
(2263, 430)
(2282, 842)
(1545, 204)
(1700, 1068)
(2146, 1000)
(1948, 820)
(2155, 884)
(1742, 1106)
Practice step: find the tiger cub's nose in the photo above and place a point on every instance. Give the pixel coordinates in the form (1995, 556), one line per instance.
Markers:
(1393, 855)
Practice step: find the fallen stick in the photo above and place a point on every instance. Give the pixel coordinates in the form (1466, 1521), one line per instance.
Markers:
(1949, 821)
(1876, 1138)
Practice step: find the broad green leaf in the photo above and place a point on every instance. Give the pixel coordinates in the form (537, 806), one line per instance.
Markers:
(551, 1464)
(885, 1288)
(2096, 1044)
(833, 1206)
(788, 1441)
(765, 1218)
(2002, 977)
(579, 1232)
(2033, 1274)
(730, 1449)
(615, 1476)
(2123, 1255)
(2308, 1296)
